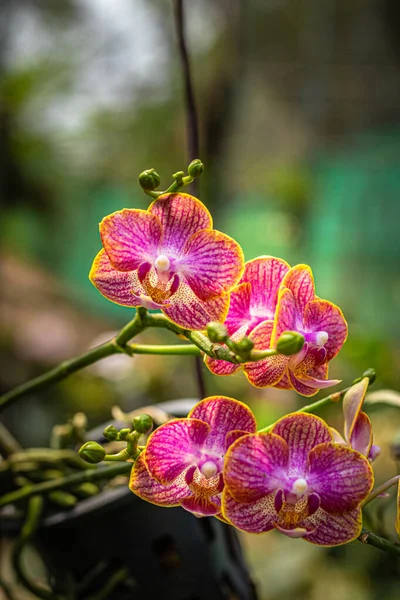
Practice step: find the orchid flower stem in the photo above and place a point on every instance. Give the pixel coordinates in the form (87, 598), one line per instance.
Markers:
(172, 350)
(381, 489)
(367, 537)
(96, 474)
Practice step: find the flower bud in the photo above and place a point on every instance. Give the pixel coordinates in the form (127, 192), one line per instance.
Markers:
(63, 499)
(371, 374)
(217, 332)
(143, 423)
(149, 180)
(123, 433)
(86, 490)
(92, 452)
(245, 345)
(196, 168)
(290, 342)
(111, 433)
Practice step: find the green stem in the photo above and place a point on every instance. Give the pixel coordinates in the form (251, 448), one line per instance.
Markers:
(381, 489)
(173, 349)
(97, 474)
(366, 537)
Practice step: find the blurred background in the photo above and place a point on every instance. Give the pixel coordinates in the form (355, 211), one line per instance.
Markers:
(299, 105)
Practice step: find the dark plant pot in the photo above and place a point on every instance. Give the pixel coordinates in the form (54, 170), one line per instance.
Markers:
(169, 553)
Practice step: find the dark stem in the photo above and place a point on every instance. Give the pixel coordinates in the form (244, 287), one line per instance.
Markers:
(388, 546)
(192, 133)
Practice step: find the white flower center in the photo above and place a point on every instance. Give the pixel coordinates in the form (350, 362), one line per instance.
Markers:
(300, 486)
(162, 263)
(322, 338)
(209, 469)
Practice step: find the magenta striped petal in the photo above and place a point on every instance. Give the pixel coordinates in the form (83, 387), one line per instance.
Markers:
(334, 529)
(221, 367)
(223, 415)
(300, 281)
(130, 237)
(268, 371)
(265, 275)
(201, 506)
(352, 405)
(146, 487)
(255, 466)
(285, 316)
(308, 386)
(284, 383)
(253, 517)
(340, 476)
(173, 447)
(239, 310)
(302, 432)
(361, 436)
(321, 315)
(211, 263)
(118, 286)
(181, 215)
(186, 310)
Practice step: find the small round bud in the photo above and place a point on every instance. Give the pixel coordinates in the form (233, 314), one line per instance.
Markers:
(217, 332)
(111, 433)
(245, 345)
(196, 168)
(290, 342)
(123, 433)
(92, 452)
(143, 423)
(149, 180)
(371, 374)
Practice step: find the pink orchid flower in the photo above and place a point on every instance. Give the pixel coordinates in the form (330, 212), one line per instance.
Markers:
(297, 480)
(170, 258)
(183, 459)
(253, 302)
(320, 322)
(357, 426)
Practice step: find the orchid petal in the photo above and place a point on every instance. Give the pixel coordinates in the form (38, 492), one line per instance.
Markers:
(221, 367)
(253, 517)
(284, 383)
(130, 237)
(352, 405)
(265, 275)
(321, 315)
(301, 432)
(337, 438)
(334, 529)
(181, 215)
(173, 447)
(361, 435)
(239, 317)
(118, 286)
(200, 506)
(340, 476)
(186, 310)
(297, 532)
(285, 316)
(300, 281)
(267, 371)
(146, 487)
(255, 466)
(223, 415)
(211, 262)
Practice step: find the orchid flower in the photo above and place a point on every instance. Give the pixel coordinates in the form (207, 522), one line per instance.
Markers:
(183, 459)
(357, 426)
(170, 258)
(253, 302)
(320, 322)
(297, 480)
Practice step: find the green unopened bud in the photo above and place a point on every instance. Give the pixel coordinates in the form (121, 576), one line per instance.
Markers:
(63, 499)
(123, 433)
(245, 345)
(217, 332)
(111, 433)
(143, 423)
(371, 374)
(196, 168)
(290, 342)
(92, 452)
(86, 490)
(149, 179)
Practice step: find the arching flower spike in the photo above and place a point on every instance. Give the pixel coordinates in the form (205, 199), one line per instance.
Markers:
(253, 302)
(297, 480)
(168, 257)
(183, 460)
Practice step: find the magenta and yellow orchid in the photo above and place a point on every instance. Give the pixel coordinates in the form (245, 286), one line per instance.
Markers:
(270, 299)
(183, 459)
(297, 480)
(168, 257)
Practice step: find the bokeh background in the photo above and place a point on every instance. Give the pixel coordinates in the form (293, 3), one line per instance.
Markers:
(299, 107)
